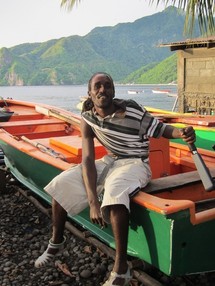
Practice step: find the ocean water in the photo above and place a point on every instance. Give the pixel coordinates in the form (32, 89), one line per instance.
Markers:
(67, 97)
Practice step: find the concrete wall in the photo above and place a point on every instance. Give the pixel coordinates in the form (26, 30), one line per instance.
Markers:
(196, 80)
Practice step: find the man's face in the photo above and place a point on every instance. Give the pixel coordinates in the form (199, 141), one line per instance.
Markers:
(102, 91)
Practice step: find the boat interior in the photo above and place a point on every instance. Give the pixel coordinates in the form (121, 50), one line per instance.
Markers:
(175, 182)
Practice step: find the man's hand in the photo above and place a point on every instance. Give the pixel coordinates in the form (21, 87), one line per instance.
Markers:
(95, 214)
(188, 134)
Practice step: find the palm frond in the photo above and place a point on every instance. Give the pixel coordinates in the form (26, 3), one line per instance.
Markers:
(203, 10)
(69, 4)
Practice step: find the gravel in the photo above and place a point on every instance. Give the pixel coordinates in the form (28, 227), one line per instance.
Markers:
(24, 233)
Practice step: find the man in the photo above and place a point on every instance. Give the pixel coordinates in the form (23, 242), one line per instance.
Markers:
(124, 128)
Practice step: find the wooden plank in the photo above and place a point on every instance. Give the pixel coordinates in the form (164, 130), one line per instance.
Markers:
(75, 121)
(73, 144)
(29, 116)
(209, 122)
(31, 122)
(173, 182)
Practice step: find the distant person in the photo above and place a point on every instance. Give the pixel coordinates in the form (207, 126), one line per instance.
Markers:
(124, 128)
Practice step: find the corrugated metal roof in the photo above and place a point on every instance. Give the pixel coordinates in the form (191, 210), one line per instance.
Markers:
(197, 42)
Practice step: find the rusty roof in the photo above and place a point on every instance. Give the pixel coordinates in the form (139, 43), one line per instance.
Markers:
(208, 42)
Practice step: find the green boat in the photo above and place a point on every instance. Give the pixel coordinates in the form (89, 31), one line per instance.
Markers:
(171, 219)
(204, 126)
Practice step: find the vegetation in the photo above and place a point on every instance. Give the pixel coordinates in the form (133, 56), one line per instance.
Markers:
(164, 72)
(127, 51)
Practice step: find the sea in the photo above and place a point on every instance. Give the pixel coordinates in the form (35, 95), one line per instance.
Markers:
(68, 97)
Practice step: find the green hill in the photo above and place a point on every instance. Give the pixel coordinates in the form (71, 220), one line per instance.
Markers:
(125, 51)
(164, 72)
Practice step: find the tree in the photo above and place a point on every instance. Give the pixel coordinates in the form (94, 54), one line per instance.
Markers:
(204, 10)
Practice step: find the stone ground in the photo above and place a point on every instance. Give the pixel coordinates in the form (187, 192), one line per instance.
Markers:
(24, 232)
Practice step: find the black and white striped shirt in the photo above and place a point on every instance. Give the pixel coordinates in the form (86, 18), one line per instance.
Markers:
(126, 132)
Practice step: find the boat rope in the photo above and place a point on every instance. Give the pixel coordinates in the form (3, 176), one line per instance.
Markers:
(44, 148)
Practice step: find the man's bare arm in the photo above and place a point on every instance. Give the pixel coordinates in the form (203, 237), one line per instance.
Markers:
(187, 133)
(89, 172)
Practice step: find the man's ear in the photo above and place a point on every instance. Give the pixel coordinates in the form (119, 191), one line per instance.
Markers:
(89, 93)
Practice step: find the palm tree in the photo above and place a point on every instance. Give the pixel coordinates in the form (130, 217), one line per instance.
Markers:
(204, 10)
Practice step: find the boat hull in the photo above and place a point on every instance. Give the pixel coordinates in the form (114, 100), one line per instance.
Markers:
(135, 91)
(165, 230)
(171, 243)
(160, 91)
(205, 136)
(167, 241)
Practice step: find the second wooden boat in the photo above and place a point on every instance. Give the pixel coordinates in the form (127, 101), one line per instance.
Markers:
(204, 125)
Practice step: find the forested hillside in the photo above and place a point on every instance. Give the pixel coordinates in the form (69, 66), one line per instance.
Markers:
(164, 72)
(127, 51)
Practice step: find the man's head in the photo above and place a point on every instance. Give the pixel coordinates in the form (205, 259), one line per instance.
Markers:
(100, 91)
(98, 74)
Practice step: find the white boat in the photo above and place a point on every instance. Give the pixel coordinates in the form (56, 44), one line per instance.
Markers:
(161, 91)
(135, 91)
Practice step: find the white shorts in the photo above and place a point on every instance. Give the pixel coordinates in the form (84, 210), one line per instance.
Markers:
(122, 179)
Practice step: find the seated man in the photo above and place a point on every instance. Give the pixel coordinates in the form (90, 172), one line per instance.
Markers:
(124, 128)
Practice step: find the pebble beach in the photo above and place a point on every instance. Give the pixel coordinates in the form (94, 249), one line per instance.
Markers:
(24, 233)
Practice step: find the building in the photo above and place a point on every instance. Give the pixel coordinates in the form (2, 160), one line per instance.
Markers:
(196, 74)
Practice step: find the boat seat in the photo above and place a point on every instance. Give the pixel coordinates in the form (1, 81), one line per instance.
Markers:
(31, 122)
(39, 126)
(42, 134)
(177, 181)
(73, 145)
(29, 116)
(69, 157)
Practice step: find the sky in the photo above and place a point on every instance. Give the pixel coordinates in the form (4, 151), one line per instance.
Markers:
(30, 21)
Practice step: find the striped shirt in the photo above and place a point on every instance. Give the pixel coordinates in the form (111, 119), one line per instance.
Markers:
(125, 133)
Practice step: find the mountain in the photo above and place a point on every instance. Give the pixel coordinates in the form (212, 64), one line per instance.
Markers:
(120, 50)
(163, 72)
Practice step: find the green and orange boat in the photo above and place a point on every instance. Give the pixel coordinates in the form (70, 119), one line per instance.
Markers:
(172, 219)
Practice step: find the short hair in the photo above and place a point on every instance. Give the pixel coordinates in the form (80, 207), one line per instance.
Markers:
(88, 103)
(95, 74)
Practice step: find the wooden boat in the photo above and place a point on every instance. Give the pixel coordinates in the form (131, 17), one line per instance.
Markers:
(158, 90)
(204, 125)
(133, 91)
(171, 219)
